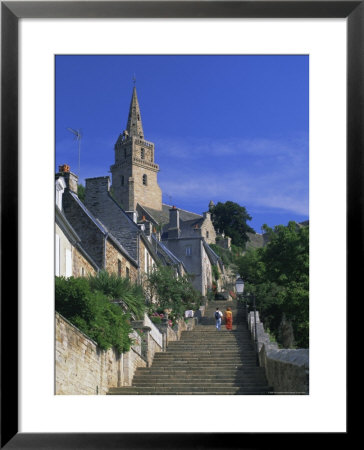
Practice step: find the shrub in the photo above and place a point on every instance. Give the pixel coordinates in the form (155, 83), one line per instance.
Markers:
(171, 292)
(115, 287)
(92, 313)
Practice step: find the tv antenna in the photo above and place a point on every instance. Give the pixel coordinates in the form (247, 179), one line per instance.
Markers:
(77, 138)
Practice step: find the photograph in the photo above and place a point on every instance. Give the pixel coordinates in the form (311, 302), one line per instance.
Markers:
(182, 203)
(182, 224)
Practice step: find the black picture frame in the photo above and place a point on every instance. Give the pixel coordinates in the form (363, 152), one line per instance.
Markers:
(11, 12)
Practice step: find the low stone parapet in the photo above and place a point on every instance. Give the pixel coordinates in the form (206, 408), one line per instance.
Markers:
(287, 370)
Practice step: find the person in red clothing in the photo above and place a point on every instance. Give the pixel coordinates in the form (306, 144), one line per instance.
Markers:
(228, 319)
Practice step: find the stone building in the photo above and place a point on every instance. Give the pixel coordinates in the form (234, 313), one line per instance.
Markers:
(133, 236)
(135, 188)
(126, 228)
(71, 259)
(134, 173)
(188, 241)
(98, 242)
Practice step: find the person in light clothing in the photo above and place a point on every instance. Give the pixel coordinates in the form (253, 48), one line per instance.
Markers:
(218, 316)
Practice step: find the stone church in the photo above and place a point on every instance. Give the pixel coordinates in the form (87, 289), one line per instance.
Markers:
(135, 187)
(134, 173)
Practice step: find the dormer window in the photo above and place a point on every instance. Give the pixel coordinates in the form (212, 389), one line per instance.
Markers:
(145, 180)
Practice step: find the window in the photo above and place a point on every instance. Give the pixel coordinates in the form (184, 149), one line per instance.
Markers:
(122, 180)
(188, 250)
(119, 268)
(68, 263)
(145, 180)
(142, 153)
(124, 152)
(58, 246)
(207, 234)
(127, 273)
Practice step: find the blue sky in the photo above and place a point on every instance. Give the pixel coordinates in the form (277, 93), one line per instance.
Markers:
(225, 127)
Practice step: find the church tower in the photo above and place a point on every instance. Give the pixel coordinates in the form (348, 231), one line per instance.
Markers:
(134, 174)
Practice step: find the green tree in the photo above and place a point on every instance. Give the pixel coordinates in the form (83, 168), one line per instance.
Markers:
(232, 218)
(278, 274)
(81, 190)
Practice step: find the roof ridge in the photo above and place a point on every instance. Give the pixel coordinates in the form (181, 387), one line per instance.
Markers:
(181, 209)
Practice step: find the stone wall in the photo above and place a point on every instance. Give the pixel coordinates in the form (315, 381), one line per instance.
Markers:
(113, 256)
(82, 368)
(92, 238)
(207, 229)
(287, 370)
(100, 203)
(81, 267)
(131, 163)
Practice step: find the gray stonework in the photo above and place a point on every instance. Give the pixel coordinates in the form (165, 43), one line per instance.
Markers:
(192, 253)
(100, 203)
(134, 172)
(287, 370)
(92, 234)
(82, 368)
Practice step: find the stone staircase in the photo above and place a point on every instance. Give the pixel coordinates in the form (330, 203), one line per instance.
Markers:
(204, 362)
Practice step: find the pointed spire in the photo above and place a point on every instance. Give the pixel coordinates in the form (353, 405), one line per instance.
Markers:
(134, 126)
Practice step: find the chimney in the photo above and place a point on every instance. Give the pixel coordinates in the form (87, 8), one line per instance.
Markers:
(70, 178)
(147, 228)
(96, 191)
(133, 215)
(173, 227)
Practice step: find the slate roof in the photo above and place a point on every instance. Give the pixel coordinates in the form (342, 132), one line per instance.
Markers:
(162, 217)
(168, 257)
(103, 229)
(73, 237)
(214, 258)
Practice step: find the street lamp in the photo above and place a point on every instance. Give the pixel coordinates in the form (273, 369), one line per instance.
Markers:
(255, 330)
(239, 285)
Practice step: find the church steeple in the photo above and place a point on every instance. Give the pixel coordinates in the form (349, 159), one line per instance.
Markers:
(134, 126)
(134, 173)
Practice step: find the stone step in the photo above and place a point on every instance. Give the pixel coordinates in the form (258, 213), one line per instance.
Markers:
(199, 375)
(218, 373)
(181, 385)
(199, 380)
(204, 361)
(188, 370)
(205, 352)
(189, 389)
(194, 393)
(227, 368)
